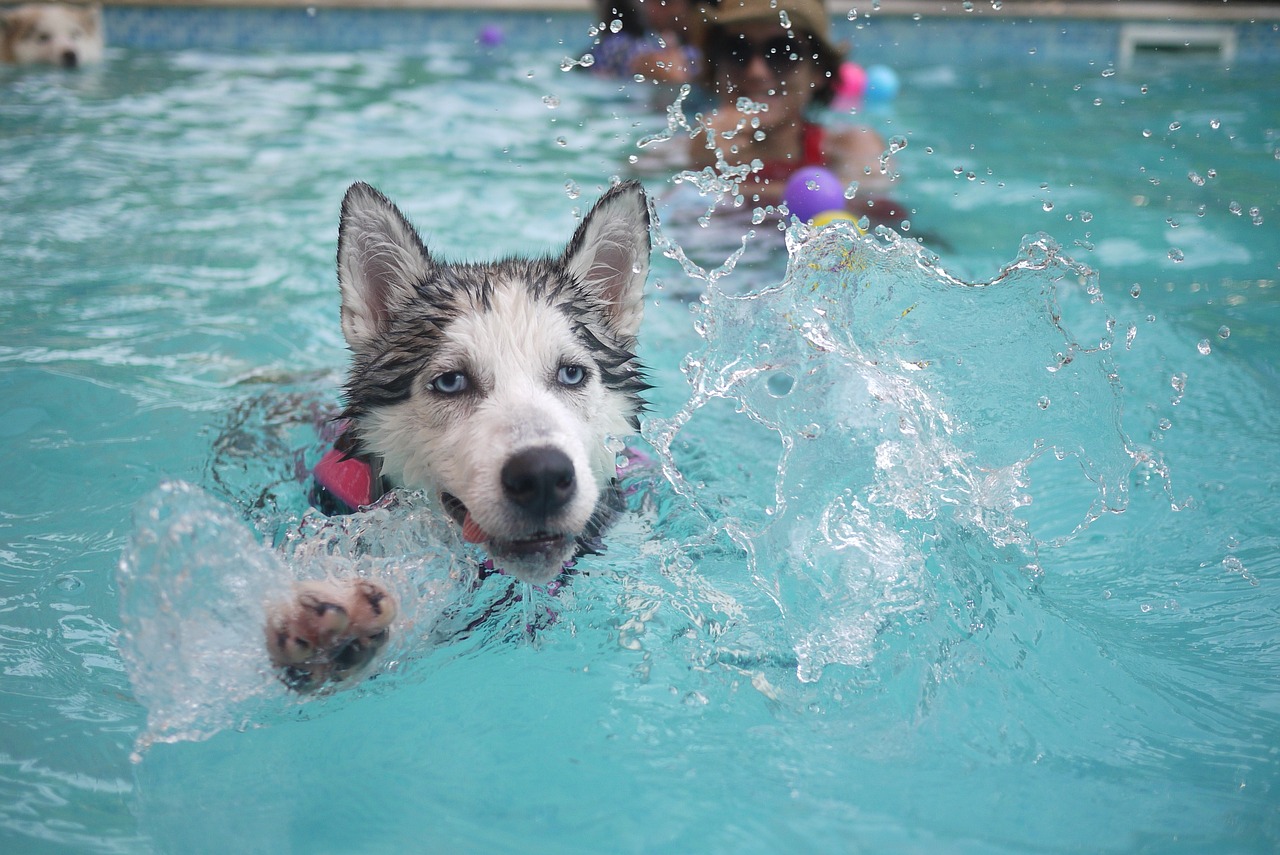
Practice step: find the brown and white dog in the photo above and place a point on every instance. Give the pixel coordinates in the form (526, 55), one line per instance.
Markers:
(51, 34)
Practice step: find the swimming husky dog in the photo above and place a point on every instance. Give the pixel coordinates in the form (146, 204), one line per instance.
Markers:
(51, 34)
(495, 387)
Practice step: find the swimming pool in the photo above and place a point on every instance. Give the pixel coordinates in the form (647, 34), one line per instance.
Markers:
(853, 619)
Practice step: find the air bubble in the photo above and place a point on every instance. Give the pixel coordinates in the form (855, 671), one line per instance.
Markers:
(1135, 291)
(1204, 347)
(1043, 403)
(1224, 332)
(1176, 256)
(1048, 206)
(550, 101)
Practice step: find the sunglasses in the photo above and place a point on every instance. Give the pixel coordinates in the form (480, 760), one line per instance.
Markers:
(781, 53)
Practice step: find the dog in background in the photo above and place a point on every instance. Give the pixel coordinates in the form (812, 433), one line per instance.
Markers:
(51, 34)
(500, 388)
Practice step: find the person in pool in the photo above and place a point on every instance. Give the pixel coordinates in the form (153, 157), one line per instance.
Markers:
(651, 42)
(768, 65)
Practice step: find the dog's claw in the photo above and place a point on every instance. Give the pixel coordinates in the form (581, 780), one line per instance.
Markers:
(329, 631)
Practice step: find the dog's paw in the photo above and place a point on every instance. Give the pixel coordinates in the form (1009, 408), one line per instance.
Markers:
(329, 631)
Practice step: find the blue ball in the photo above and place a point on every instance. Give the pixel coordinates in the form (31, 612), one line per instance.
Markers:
(882, 83)
(811, 190)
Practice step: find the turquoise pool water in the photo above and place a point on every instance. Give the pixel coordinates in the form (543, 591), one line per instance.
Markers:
(966, 549)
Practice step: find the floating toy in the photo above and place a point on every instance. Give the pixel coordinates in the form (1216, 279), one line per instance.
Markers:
(491, 35)
(812, 190)
(882, 84)
(826, 218)
(851, 86)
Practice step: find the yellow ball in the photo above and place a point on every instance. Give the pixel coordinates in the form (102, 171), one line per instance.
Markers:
(826, 218)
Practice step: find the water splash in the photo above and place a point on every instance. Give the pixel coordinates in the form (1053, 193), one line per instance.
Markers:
(892, 420)
(196, 583)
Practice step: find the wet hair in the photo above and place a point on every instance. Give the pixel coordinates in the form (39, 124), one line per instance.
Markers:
(634, 22)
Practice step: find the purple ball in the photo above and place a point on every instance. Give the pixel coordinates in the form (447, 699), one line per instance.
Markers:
(812, 190)
(491, 35)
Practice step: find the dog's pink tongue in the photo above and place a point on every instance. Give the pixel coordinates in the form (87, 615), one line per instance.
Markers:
(471, 531)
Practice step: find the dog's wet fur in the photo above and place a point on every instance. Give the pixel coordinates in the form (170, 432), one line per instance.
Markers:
(499, 388)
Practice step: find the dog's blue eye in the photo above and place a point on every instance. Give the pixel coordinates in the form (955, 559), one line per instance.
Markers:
(571, 375)
(450, 383)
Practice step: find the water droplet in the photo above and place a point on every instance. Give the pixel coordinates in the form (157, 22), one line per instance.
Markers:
(1108, 72)
(1135, 291)
(1179, 383)
(1176, 256)
(1224, 331)
(1171, 222)
(1196, 178)
(1146, 133)
(1236, 208)
(562, 142)
(1144, 89)
(1086, 217)
(1173, 126)
(1164, 424)
(68, 583)
(1215, 123)
(1204, 347)
(1043, 403)
(615, 26)
(1048, 206)
(572, 190)
(551, 101)
(780, 384)
(1130, 334)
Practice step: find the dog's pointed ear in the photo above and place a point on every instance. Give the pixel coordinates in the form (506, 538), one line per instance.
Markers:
(381, 263)
(609, 255)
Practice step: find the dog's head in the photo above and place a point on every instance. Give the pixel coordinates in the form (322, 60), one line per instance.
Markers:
(51, 34)
(501, 387)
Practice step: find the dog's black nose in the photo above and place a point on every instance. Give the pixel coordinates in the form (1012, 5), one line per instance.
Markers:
(69, 59)
(539, 480)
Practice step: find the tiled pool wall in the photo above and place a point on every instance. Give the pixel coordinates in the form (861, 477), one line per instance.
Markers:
(894, 39)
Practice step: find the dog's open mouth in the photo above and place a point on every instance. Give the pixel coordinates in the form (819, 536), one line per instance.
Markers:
(536, 543)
